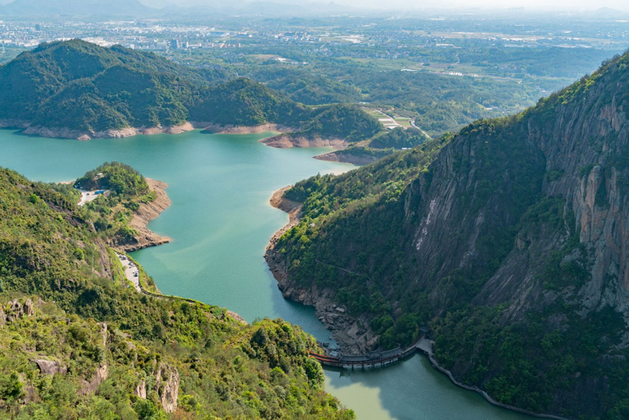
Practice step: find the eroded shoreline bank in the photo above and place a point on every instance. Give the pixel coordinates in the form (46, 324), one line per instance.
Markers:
(85, 135)
(281, 137)
(144, 215)
(349, 333)
(288, 141)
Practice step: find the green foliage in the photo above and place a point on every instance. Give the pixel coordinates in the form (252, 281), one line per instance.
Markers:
(90, 89)
(342, 122)
(117, 177)
(81, 86)
(244, 102)
(146, 338)
(524, 364)
(306, 87)
(514, 299)
(366, 206)
(399, 138)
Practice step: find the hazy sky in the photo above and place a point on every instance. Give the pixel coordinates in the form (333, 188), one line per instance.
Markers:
(407, 4)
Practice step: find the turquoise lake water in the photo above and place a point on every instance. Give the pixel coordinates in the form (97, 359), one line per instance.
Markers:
(220, 222)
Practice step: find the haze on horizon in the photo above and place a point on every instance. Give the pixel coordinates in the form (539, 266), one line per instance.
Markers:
(572, 5)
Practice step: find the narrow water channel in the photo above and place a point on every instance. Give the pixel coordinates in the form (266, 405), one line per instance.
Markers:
(220, 222)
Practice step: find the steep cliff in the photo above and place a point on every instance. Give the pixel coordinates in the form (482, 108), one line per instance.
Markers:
(510, 245)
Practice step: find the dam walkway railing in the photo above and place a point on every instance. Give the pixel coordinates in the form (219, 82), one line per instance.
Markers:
(374, 359)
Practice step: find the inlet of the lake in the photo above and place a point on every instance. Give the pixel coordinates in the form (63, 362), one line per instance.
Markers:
(220, 222)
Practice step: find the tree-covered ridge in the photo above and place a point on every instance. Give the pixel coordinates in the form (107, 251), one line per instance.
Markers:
(308, 87)
(506, 245)
(382, 144)
(87, 89)
(344, 123)
(341, 121)
(399, 138)
(81, 86)
(112, 212)
(77, 342)
(327, 194)
(117, 177)
(244, 102)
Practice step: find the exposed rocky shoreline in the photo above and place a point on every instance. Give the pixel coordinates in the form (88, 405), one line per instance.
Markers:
(145, 214)
(287, 141)
(351, 334)
(83, 135)
(241, 129)
(354, 159)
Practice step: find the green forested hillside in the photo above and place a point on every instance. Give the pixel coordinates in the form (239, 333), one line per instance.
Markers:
(504, 241)
(77, 342)
(85, 89)
(308, 87)
(244, 102)
(81, 86)
(342, 121)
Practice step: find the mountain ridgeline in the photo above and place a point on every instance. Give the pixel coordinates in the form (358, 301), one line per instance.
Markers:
(77, 89)
(509, 240)
(77, 341)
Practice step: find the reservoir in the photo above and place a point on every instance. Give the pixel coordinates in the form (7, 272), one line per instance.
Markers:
(220, 222)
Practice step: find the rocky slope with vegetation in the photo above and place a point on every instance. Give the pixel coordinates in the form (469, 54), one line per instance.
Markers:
(508, 240)
(382, 144)
(76, 341)
(337, 126)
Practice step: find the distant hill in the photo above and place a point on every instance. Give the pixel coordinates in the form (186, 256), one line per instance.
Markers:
(75, 8)
(607, 13)
(76, 89)
(80, 86)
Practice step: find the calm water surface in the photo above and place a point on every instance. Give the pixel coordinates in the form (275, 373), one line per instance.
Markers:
(220, 222)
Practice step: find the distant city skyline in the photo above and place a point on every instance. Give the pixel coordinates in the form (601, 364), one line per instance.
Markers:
(422, 4)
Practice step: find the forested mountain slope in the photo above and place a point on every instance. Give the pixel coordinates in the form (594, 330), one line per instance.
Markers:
(76, 89)
(510, 242)
(77, 342)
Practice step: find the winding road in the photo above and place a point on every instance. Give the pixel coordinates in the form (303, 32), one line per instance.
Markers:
(131, 271)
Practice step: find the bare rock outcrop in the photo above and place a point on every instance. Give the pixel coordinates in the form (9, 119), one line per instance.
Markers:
(287, 141)
(167, 383)
(100, 376)
(68, 133)
(140, 389)
(50, 367)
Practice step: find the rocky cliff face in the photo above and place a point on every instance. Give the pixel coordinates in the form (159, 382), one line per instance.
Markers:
(572, 147)
(512, 246)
